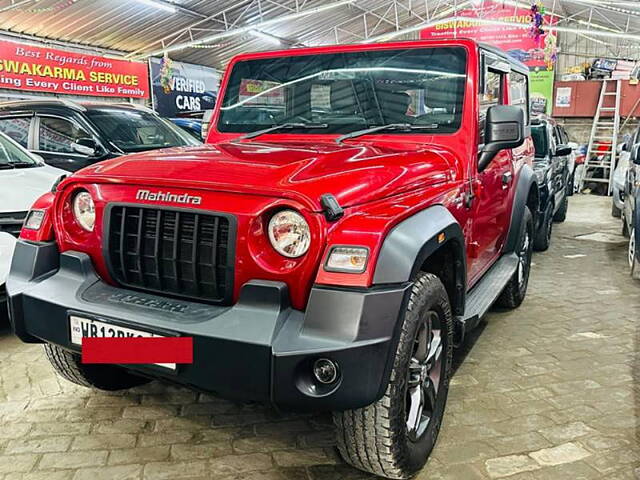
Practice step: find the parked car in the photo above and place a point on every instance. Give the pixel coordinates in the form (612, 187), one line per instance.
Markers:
(631, 212)
(555, 184)
(192, 126)
(72, 135)
(620, 178)
(326, 255)
(23, 178)
(632, 177)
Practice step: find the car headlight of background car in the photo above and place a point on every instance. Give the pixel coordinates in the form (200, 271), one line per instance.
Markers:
(289, 233)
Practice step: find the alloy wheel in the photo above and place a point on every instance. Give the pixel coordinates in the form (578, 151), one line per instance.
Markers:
(523, 259)
(425, 374)
(632, 248)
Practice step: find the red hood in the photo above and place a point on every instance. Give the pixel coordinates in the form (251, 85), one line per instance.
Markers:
(354, 173)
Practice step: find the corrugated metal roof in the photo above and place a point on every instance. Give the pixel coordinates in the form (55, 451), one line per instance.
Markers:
(129, 25)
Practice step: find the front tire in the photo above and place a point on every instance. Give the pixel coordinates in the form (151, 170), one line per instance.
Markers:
(394, 436)
(516, 288)
(103, 377)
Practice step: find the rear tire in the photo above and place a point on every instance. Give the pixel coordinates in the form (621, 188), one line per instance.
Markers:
(516, 289)
(394, 436)
(615, 211)
(561, 215)
(634, 261)
(542, 238)
(103, 377)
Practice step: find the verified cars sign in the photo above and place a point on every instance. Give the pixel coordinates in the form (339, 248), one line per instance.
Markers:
(28, 68)
(182, 87)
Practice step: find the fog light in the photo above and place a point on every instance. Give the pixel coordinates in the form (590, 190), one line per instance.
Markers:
(325, 370)
(34, 220)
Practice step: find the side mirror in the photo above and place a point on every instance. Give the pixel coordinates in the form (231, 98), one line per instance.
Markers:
(85, 146)
(504, 129)
(563, 150)
(635, 154)
(622, 147)
(37, 157)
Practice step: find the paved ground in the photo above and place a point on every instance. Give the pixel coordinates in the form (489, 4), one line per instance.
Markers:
(549, 391)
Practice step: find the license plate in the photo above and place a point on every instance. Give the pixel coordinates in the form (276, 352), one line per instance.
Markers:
(84, 327)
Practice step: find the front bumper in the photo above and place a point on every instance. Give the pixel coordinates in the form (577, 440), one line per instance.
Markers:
(259, 349)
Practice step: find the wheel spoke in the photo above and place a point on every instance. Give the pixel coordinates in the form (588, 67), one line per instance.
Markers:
(435, 347)
(430, 395)
(416, 407)
(422, 343)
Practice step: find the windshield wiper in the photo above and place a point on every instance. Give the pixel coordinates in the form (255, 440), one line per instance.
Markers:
(390, 126)
(24, 164)
(282, 126)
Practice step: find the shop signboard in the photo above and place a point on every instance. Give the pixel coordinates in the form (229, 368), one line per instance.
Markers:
(182, 87)
(517, 42)
(41, 69)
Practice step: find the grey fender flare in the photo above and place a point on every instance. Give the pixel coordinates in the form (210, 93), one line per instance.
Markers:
(411, 242)
(526, 181)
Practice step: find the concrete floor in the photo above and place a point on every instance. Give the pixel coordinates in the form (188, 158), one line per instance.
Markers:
(548, 391)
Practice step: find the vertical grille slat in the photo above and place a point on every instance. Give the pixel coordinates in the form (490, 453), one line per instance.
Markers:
(176, 252)
(123, 239)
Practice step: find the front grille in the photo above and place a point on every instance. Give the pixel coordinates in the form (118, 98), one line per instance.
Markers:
(12, 222)
(171, 251)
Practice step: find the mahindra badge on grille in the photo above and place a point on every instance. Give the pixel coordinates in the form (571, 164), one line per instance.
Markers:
(169, 197)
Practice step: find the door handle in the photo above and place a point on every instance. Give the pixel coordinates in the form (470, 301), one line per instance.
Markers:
(506, 178)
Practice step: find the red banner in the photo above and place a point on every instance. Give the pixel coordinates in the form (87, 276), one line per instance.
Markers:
(517, 42)
(28, 68)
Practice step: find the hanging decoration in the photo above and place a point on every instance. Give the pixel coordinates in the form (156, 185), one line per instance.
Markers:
(537, 20)
(550, 50)
(166, 73)
(56, 7)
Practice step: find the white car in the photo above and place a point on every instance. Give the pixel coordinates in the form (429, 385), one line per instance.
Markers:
(619, 180)
(23, 178)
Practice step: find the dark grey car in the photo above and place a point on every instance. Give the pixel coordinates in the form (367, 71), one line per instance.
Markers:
(71, 135)
(555, 180)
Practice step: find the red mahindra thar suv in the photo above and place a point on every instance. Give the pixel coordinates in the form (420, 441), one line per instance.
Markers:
(355, 211)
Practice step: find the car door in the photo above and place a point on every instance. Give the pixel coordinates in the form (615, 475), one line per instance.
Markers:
(56, 140)
(492, 189)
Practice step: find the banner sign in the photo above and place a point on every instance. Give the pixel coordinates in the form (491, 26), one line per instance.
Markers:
(538, 54)
(182, 87)
(40, 69)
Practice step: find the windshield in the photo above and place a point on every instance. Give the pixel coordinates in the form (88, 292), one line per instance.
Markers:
(347, 92)
(136, 130)
(539, 135)
(11, 154)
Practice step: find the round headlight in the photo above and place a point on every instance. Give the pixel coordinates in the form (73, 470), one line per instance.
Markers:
(84, 210)
(289, 233)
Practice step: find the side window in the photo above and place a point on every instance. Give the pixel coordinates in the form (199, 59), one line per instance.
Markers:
(58, 135)
(17, 129)
(519, 92)
(492, 95)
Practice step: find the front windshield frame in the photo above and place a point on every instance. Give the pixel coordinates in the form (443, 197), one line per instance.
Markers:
(93, 115)
(8, 147)
(454, 97)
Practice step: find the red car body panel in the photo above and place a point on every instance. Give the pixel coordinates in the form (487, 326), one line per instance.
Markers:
(380, 180)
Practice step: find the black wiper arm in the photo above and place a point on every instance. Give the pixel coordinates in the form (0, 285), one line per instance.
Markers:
(390, 126)
(282, 126)
(6, 166)
(24, 164)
